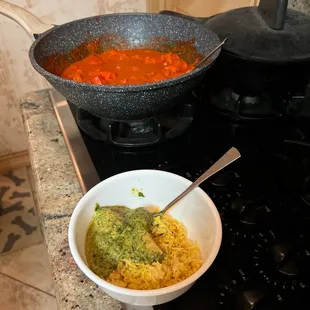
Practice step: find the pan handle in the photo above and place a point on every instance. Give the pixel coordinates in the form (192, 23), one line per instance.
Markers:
(32, 24)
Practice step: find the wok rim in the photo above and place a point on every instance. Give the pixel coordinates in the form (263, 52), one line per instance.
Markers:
(129, 87)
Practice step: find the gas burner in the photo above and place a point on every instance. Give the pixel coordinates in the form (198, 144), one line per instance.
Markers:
(241, 106)
(245, 99)
(140, 133)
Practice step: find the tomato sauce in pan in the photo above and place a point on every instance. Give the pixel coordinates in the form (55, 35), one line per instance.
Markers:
(121, 67)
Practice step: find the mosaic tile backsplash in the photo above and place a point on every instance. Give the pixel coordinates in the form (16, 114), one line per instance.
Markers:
(300, 5)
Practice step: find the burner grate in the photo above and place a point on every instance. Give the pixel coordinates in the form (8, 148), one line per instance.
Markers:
(257, 107)
(140, 133)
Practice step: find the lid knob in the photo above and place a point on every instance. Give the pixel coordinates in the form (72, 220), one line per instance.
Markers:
(273, 12)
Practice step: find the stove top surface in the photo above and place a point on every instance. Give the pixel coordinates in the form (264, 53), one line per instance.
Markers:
(263, 199)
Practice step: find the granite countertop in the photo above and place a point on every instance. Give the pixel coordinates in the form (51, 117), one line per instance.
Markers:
(57, 192)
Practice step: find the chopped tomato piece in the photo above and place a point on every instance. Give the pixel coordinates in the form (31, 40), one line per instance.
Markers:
(172, 69)
(124, 81)
(94, 60)
(77, 78)
(96, 80)
(107, 75)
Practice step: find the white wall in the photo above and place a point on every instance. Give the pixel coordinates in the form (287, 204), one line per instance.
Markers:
(16, 74)
(204, 8)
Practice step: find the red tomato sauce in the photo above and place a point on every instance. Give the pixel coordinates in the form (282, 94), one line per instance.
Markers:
(121, 67)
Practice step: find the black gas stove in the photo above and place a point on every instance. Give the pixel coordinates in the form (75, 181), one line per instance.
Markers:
(263, 198)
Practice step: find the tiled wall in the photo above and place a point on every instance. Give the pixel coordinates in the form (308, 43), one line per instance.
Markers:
(300, 5)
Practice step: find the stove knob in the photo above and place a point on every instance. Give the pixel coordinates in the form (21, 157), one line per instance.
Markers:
(256, 214)
(282, 255)
(239, 205)
(250, 299)
(223, 179)
(280, 250)
(250, 212)
(289, 267)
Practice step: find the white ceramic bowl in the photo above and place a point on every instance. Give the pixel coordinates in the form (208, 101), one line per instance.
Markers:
(196, 211)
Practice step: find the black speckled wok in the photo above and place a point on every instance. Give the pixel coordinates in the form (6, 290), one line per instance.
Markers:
(142, 30)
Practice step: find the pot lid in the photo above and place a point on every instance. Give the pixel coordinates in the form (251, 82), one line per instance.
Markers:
(251, 37)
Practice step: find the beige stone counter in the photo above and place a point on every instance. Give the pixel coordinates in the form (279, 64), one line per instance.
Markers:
(57, 192)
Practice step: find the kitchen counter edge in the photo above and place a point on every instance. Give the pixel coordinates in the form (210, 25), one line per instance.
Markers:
(57, 191)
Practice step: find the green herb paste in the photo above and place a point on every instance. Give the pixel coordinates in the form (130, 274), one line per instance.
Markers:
(137, 192)
(116, 233)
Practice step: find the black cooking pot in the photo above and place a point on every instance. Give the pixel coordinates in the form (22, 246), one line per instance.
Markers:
(118, 31)
(262, 54)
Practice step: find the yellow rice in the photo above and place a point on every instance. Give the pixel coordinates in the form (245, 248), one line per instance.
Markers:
(182, 259)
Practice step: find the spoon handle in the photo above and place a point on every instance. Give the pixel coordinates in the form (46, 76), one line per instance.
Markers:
(229, 157)
(210, 54)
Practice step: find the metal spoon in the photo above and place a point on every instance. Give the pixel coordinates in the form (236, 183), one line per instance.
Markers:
(210, 54)
(229, 157)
